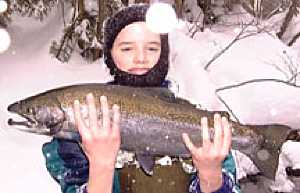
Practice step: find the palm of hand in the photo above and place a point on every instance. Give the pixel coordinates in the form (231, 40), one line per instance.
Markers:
(100, 138)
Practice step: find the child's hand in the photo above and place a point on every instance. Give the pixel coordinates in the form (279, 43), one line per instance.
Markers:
(208, 158)
(100, 138)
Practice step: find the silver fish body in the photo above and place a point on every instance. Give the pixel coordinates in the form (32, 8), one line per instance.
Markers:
(152, 122)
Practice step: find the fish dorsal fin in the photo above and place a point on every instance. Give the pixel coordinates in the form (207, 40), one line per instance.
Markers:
(160, 93)
(146, 162)
(166, 95)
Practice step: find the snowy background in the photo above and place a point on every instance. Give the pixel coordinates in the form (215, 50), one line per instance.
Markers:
(27, 68)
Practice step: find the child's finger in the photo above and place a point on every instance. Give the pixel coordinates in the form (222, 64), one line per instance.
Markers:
(189, 144)
(227, 136)
(116, 120)
(205, 132)
(105, 113)
(93, 119)
(218, 137)
(84, 132)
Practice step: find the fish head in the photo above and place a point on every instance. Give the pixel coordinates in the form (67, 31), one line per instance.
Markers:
(19, 108)
(38, 118)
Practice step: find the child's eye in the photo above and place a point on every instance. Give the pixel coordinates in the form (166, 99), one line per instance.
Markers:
(126, 49)
(153, 49)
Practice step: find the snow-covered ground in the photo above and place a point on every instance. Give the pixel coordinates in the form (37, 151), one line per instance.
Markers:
(27, 68)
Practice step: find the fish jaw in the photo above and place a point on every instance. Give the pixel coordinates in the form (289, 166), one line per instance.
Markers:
(14, 107)
(29, 121)
(37, 119)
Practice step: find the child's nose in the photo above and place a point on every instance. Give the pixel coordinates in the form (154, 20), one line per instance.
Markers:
(140, 57)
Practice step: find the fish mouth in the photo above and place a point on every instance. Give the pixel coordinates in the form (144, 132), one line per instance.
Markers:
(29, 122)
(15, 109)
(29, 126)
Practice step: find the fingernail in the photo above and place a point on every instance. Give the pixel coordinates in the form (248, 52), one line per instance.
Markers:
(224, 119)
(102, 98)
(203, 118)
(217, 115)
(116, 107)
(76, 102)
(90, 95)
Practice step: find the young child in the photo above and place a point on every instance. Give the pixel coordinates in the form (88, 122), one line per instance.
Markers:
(135, 56)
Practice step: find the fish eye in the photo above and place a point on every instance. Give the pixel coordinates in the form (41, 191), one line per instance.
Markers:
(30, 110)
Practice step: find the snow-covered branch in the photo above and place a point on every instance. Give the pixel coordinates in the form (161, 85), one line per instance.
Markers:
(37, 9)
(241, 35)
(83, 33)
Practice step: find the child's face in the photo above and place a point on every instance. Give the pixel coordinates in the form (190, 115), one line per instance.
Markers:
(136, 49)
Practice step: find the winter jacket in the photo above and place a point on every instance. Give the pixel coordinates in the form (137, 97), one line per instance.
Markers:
(230, 184)
(69, 166)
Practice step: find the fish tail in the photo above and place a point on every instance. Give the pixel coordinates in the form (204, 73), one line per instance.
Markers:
(267, 157)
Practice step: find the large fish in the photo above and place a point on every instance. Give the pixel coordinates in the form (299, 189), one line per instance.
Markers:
(152, 123)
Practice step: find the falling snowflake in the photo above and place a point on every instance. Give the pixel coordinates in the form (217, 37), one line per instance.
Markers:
(5, 40)
(3, 6)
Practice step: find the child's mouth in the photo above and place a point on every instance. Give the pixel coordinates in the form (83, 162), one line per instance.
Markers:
(138, 71)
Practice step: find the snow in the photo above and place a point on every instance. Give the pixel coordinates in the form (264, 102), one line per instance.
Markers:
(3, 6)
(161, 18)
(279, 109)
(4, 39)
(290, 158)
(27, 68)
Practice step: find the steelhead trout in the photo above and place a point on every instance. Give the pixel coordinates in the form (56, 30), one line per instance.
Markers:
(152, 123)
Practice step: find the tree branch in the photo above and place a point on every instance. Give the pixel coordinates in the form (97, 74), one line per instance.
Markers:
(238, 37)
(287, 20)
(294, 39)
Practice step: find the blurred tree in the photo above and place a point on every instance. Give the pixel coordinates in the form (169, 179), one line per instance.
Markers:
(5, 17)
(292, 12)
(265, 9)
(83, 19)
(32, 8)
(84, 31)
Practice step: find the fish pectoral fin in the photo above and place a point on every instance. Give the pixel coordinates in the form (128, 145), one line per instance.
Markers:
(146, 162)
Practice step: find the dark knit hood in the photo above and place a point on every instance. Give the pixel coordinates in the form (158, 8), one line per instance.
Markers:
(112, 27)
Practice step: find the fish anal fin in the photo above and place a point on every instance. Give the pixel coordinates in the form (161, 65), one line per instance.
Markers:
(146, 162)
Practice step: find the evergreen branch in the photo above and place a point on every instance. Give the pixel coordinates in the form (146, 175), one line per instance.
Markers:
(37, 9)
(67, 35)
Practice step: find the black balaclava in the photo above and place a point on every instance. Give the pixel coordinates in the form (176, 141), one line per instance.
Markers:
(112, 27)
